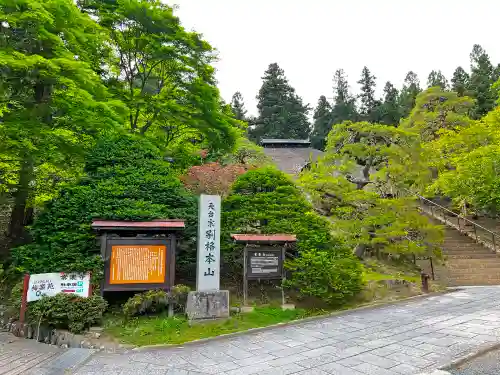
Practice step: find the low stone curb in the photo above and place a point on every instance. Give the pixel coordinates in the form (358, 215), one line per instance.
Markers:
(295, 322)
(466, 358)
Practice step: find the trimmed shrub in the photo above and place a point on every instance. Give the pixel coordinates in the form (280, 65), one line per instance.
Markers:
(68, 311)
(127, 179)
(155, 301)
(267, 201)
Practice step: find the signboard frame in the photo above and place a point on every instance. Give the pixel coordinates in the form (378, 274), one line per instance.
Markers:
(264, 249)
(246, 265)
(168, 242)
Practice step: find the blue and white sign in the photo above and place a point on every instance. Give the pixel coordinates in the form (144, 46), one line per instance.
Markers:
(50, 284)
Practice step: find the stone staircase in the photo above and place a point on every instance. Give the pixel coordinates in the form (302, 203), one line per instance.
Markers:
(467, 262)
(470, 251)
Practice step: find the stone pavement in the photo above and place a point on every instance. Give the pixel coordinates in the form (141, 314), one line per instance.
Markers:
(408, 338)
(27, 357)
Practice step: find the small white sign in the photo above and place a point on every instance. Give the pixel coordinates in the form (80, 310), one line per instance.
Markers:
(208, 263)
(50, 284)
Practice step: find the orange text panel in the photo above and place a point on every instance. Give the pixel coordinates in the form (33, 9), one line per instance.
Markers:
(137, 264)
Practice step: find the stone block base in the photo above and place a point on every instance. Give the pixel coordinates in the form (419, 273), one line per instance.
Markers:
(208, 305)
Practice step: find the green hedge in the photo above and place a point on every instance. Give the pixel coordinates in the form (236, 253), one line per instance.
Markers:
(126, 179)
(267, 201)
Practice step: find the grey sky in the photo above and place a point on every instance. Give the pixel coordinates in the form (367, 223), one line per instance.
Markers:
(311, 39)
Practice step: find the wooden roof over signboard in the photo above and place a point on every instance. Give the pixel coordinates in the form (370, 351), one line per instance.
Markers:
(163, 224)
(264, 238)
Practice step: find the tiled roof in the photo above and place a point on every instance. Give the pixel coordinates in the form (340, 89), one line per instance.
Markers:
(292, 160)
(264, 237)
(285, 141)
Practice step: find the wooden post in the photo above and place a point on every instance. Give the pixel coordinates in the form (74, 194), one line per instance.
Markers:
(24, 299)
(245, 281)
(90, 285)
(283, 277)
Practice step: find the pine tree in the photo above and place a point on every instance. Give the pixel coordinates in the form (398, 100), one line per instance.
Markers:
(411, 88)
(390, 111)
(238, 106)
(369, 105)
(282, 114)
(322, 123)
(437, 78)
(481, 79)
(460, 81)
(344, 107)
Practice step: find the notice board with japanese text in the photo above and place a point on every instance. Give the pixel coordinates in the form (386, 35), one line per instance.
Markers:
(139, 264)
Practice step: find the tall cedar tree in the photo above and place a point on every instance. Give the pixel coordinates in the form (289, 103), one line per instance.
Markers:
(460, 81)
(408, 95)
(390, 111)
(481, 79)
(369, 105)
(437, 79)
(322, 123)
(282, 113)
(53, 105)
(344, 107)
(238, 106)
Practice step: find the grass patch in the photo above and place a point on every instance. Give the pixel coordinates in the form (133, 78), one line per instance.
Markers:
(152, 330)
(375, 276)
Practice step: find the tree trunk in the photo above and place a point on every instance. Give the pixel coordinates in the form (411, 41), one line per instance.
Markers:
(21, 214)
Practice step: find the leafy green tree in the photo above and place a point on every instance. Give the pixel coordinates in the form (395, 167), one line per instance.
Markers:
(436, 112)
(460, 81)
(369, 105)
(409, 92)
(344, 106)
(53, 104)
(126, 179)
(481, 80)
(390, 110)
(163, 73)
(238, 106)
(266, 201)
(467, 159)
(437, 78)
(350, 185)
(322, 123)
(282, 113)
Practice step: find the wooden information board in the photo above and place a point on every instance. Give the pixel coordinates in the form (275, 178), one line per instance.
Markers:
(265, 263)
(139, 264)
(133, 264)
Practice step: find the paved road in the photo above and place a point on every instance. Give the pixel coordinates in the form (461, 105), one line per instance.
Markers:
(488, 364)
(409, 338)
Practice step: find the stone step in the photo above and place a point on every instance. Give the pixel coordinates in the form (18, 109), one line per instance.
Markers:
(461, 244)
(452, 282)
(454, 265)
(469, 255)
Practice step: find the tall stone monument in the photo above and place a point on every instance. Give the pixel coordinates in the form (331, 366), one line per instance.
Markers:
(208, 302)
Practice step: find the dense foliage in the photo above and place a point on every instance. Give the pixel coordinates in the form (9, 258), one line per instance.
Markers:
(68, 311)
(52, 104)
(126, 179)
(266, 201)
(73, 72)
